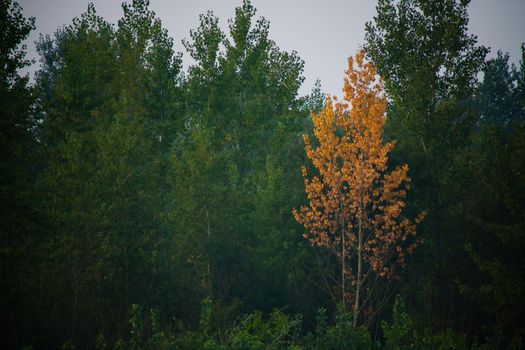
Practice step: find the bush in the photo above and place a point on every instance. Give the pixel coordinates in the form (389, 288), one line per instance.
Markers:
(402, 334)
(341, 335)
(280, 331)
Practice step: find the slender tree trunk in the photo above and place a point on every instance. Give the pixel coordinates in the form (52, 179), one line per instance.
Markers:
(76, 268)
(343, 270)
(343, 249)
(359, 268)
(208, 263)
(75, 306)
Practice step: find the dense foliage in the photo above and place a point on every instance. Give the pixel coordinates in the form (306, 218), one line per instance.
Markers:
(144, 206)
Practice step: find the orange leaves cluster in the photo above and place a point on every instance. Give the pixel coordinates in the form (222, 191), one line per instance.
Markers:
(352, 186)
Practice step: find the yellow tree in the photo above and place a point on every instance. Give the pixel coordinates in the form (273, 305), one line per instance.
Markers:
(354, 205)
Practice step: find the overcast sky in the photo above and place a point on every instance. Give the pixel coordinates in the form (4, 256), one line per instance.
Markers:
(324, 33)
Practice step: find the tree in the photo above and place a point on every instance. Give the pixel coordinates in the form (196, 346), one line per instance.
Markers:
(17, 142)
(427, 57)
(241, 110)
(354, 205)
(488, 185)
(110, 101)
(496, 96)
(429, 62)
(16, 120)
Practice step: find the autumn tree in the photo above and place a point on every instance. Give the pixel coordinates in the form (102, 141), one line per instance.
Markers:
(354, 205)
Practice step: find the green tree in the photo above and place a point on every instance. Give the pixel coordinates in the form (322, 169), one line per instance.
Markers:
(111, 101)
(496, 96)
(240, 101)
(18, 222)
(429, 62)
(488, 185)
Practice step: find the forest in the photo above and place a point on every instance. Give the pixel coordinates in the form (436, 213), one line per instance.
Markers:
(147, 206)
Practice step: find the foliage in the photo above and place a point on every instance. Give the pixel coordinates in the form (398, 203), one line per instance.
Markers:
(403, 334)
(342, 334)
(354, 205)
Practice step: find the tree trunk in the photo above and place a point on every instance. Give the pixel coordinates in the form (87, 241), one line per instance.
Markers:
(208, 263)
(75, 306)
(343, 249)
(359, 268)
(343, 270)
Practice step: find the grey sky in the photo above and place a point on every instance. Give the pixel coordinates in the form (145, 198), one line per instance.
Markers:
(324, 33)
